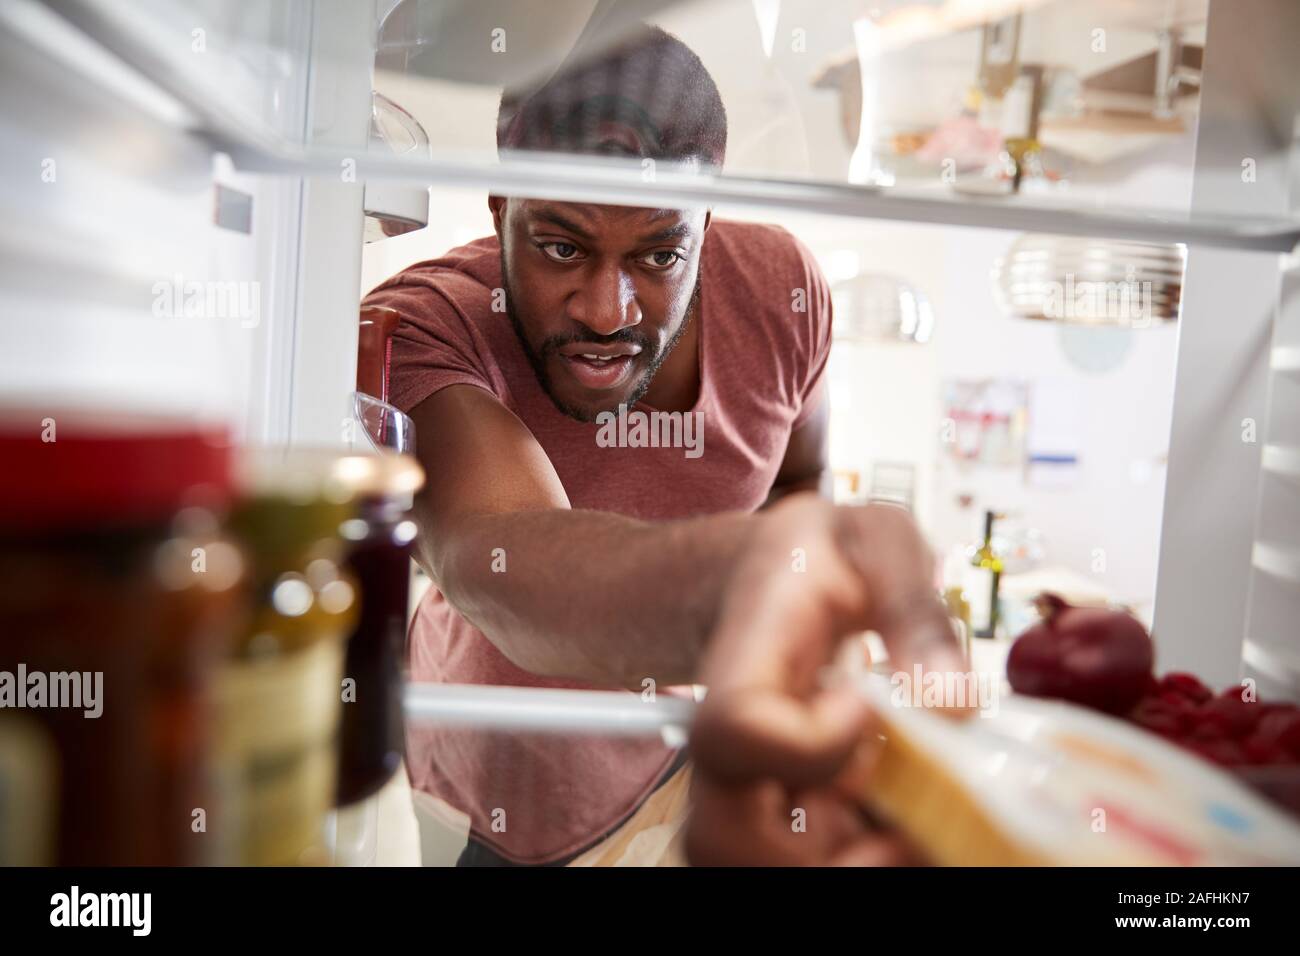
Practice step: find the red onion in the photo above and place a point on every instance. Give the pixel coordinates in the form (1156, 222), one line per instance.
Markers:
(1092, 656)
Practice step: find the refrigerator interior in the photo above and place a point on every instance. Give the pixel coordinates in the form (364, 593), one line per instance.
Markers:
(184, 227)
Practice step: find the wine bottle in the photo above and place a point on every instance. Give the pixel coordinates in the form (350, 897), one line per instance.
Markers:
(985, 576)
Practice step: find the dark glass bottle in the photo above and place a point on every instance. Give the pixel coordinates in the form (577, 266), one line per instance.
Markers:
(372, 735)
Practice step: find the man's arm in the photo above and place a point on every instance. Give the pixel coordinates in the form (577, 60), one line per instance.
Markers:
(805, 466)
(583, 594)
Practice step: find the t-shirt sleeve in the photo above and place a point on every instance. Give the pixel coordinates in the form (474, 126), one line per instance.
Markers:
(434, 345)
(815, 334)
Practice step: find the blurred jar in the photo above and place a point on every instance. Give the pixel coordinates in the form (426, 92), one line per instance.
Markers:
(118, 598)
(280, 689)
(379, 558)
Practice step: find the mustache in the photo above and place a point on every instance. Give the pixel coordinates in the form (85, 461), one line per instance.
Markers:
(621, 337)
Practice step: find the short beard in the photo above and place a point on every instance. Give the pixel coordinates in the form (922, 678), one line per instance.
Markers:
(537, 361)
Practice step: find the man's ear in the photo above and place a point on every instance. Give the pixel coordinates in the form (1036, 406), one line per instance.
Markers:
(497, 206)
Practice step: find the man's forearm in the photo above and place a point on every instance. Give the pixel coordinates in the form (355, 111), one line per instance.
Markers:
(592, 595)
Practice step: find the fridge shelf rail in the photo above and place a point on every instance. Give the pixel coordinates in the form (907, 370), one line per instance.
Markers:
(547, 710)
(1277, 560)
(564, 178)
(1281, 460)
(1286, 359)
(1279, 664)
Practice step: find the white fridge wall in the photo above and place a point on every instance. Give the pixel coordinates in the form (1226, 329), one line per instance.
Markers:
(119, 290)
(1230, 306)
(107, 206)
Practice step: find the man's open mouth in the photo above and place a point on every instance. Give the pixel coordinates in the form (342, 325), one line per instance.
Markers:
(599, 366)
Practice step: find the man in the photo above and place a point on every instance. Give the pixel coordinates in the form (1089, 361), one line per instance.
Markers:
(604, 397)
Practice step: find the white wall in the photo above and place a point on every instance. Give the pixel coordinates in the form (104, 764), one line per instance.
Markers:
(889, 405)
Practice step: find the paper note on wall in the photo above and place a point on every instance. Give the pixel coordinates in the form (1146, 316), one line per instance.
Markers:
(1056, 423)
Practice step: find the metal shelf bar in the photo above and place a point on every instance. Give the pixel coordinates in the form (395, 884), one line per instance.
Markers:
(607, 181)
(545, 710)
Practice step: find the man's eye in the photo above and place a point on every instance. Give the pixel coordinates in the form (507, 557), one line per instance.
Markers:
(560, 251)
(662, 259)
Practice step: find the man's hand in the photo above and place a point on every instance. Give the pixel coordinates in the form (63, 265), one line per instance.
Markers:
(781, 758)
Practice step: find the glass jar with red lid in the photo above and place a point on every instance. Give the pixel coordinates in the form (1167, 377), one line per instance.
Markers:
(118, 591)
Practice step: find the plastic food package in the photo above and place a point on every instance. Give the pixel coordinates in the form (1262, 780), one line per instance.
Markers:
(1039, 782)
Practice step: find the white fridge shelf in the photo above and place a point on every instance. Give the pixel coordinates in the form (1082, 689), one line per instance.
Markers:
(257, 146)
(564, 178)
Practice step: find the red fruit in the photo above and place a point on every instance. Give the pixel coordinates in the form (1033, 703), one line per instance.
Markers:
(1261, 752)
(1226, 753)
(1153, 715)
(1237, 717)
(1091, 656)
(1212, 727)
(1188, 685)
(1282, 729)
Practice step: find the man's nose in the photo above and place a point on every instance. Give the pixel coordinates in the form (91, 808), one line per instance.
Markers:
(606, 302)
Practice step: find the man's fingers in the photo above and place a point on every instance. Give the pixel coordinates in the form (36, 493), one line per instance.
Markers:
(895, 568)
(738, 825)
(917, 630)
(854, 778)
(762, 824)
(745, 734)
(875, 850)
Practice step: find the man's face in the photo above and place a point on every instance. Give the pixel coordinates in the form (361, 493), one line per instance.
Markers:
(598, 295)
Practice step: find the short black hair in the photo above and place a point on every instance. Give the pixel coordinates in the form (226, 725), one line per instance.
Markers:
(648, 84)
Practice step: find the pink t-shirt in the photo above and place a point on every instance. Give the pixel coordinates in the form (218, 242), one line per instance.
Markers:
(764, 336)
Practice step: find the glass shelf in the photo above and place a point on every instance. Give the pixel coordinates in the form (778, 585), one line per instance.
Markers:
(611, 181)
(790, 140)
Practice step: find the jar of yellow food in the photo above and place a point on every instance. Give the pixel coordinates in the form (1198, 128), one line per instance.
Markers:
(280, 688)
